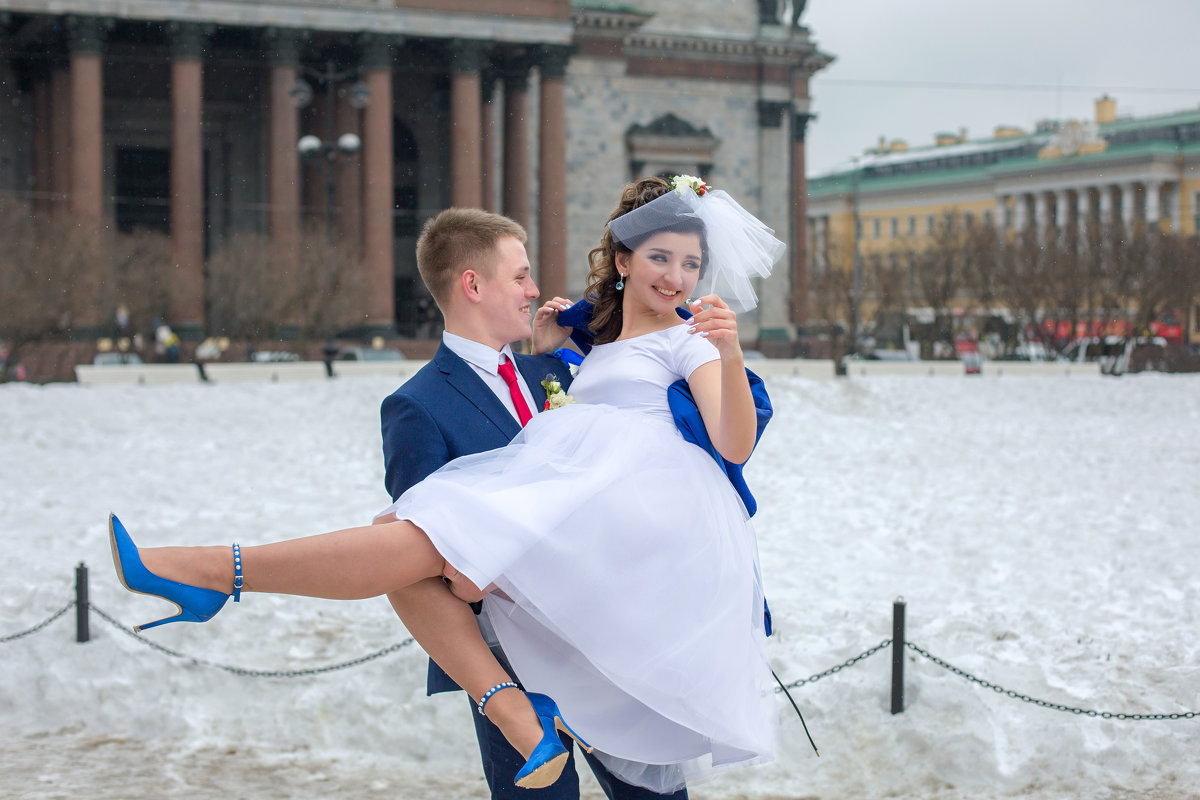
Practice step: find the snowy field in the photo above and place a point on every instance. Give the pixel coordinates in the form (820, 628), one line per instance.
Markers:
(1043, 531)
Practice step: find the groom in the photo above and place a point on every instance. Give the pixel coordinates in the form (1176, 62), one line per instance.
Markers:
(468, 399)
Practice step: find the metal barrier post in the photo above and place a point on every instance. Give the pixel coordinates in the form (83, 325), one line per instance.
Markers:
(898, 655)
(82, 634)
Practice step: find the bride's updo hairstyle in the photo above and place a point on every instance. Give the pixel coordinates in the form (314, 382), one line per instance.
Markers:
(602, 289)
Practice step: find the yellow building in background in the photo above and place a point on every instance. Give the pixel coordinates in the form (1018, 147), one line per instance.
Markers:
(1132, 174)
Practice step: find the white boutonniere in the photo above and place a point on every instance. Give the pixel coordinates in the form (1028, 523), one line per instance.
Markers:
(555, 396)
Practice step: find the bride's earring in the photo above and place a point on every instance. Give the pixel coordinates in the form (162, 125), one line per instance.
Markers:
(620, 281)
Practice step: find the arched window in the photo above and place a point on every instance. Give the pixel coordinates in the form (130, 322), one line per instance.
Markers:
(670, 146)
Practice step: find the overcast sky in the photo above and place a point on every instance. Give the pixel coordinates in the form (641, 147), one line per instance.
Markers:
(907, 70)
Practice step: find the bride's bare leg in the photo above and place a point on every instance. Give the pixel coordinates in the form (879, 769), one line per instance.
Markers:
(350, 564)
(394, 558)
(445, 628)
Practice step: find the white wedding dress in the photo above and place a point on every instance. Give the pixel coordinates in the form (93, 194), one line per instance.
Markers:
(628, 565)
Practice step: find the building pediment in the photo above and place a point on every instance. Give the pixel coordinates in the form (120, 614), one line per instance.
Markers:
(670, 125)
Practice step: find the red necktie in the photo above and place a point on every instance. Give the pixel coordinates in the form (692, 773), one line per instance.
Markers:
(509, 373)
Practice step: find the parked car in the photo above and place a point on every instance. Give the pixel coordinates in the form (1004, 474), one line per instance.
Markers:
(19, 373)
(358, 353)
(1030, 351)
(268, 356)
(1118, 355)
(115, 358)
(972, 362)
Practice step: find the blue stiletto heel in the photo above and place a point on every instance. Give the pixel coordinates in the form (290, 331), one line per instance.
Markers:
(546, 762)
(195, 604)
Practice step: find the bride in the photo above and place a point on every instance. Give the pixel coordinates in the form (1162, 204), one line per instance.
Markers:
(619, 568)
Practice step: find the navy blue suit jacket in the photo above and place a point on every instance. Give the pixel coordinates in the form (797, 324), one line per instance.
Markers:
(445, 411)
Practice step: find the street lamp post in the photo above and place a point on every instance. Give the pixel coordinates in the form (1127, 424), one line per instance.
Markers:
(332, 147)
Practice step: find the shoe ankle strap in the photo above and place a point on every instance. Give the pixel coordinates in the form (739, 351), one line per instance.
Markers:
(488, 694)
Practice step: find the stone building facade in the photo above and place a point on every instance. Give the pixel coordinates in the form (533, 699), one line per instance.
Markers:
(190, 117)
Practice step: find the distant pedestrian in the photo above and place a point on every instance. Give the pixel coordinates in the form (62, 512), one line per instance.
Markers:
(166, 344)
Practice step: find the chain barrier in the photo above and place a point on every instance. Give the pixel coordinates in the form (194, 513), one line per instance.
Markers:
(1043, 703)
(252, 673)
(39, 626)
(863, 656)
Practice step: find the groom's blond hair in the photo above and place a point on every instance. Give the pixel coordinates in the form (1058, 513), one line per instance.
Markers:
(459, 239)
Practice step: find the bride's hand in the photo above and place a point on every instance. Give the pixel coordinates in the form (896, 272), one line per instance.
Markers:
(717, 323)
(548, 335)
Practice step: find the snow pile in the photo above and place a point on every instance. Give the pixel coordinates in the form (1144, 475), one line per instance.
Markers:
(1042, 531)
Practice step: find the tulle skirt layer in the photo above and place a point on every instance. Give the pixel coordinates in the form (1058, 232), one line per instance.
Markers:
(631, 586)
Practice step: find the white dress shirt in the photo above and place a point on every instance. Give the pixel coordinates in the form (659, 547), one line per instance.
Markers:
(485, 361)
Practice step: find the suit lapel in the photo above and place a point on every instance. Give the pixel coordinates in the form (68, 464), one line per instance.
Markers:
(533, 371)
(462, 378)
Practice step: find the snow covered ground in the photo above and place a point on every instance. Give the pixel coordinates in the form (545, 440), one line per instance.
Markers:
(1043, 531)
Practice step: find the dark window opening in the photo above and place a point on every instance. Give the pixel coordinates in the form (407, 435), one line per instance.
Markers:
(143, 188)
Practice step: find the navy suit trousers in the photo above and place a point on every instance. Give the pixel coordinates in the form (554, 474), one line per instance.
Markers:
(501, 764)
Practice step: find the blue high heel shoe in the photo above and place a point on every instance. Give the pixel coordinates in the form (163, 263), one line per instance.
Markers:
(546, 762)
(195, 604)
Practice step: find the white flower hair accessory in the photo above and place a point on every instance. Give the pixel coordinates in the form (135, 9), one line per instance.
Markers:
(682, 183)
(739, 246)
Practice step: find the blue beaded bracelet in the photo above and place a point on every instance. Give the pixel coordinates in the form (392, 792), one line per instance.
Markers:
(237, 573)
(488, 694)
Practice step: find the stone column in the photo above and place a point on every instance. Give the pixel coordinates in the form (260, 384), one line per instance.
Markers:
(379, 191)
(1062, 213)
(552, 183)
(1106, 205)
(799, 264)
(516, 139)
(1020, 213)
(820, 244)
(186, 289)
(1176, 207)
(283, 159)
(466, 161)
(770, 326)
(1128, 198)
(1153, 206)
(85, 36)
(1001, 212)
(1041, 214)
(1083, 210)
(85, 156)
